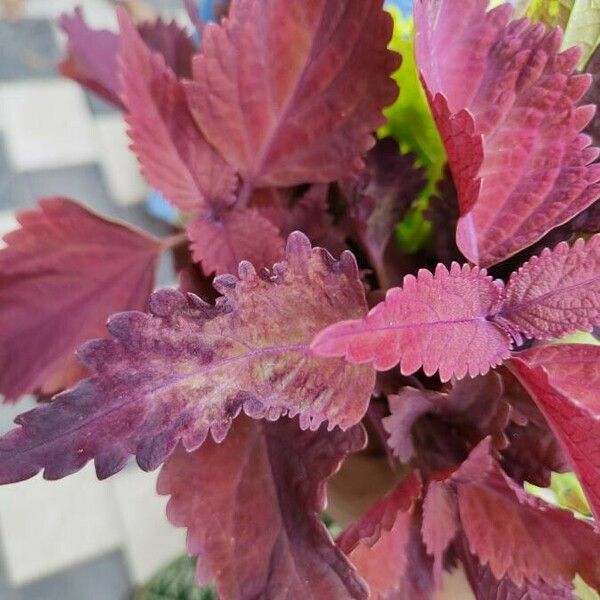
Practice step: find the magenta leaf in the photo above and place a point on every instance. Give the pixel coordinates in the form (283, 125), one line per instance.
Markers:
(251, 506)
(557, 292)
(61, 275)
(189, 367)
(564, 381)
(92, 55)
(175, 157)
(519, 535)
(438, 322)
(299, 105)
(220, 243)
(378, 544)
(517, 92)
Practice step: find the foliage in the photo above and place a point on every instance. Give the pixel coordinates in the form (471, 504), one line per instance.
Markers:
(266, 371)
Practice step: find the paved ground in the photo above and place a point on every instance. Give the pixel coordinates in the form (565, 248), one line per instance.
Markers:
(77, 539)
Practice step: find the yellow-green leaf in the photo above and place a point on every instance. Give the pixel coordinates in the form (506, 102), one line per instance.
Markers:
(579, 19)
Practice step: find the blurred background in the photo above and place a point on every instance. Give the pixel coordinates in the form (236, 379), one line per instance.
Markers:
(77, 539)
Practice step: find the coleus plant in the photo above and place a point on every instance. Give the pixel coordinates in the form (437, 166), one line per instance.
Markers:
(251, 393)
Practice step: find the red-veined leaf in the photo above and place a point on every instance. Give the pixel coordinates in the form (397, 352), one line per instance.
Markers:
(62, 274)
(564, 381)
(438, 322)
(251, 506)
(221, 243)
(505, 101)
(189, 367)
(289, 91)
(175, 157)
(557, 292)
(519, 535)
(378, 543)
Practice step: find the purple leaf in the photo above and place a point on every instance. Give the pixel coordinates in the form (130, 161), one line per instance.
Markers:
(473, 408)
(533, 451)
(220, 244)
(564, 381)
(251, 506)
(519, 535)
(493, 86)
(62, 274)
(378, 544)
(557, 292)
(379, 198)
(175, 157)
(438, 322)
(307, 115)
(92, 55)
(189, 367)
(308, 214)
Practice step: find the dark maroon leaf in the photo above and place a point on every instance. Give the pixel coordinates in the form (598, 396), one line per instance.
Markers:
(473, 408)
(379, 198)
(61, 275)
(189, 367)
(251, 506)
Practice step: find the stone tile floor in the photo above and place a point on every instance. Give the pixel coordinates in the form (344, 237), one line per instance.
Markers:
(77, 539)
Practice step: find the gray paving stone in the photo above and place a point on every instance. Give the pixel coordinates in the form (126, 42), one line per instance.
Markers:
(98, 106)
(105, 578)
(85, 184)
(28, 49)
(9, 184)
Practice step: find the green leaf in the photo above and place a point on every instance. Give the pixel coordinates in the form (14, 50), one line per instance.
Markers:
(569, 493)
(176, 581)
(579, 19)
